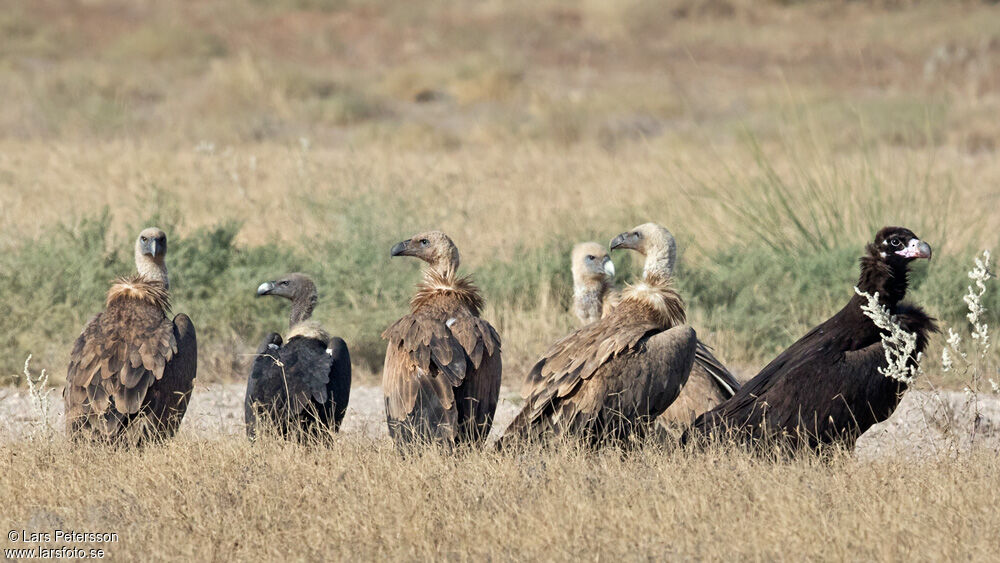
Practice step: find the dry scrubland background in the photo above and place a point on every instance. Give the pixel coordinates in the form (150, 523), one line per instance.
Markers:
(773, 138)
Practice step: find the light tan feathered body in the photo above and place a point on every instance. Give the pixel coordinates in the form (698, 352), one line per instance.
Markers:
(442, 370)
(132, 369)
(610, 379)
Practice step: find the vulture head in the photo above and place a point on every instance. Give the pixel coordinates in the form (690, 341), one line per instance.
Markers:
(150, 252)
(898, 246)
(654, 242)
(299, 289)
(591, 263)
(433, 247)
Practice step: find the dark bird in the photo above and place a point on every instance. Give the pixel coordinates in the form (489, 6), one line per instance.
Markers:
(442, 364)
(301, 385)
(609, 380)
(594, 296)
(826, 388)
(132, 369)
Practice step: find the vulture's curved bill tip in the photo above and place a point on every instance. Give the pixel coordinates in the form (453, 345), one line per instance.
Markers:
(399, 249)
(625, 240)
(609, 267)
(916, 249)
(265, 289)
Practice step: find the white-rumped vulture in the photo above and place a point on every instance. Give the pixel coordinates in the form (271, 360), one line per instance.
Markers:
(442, 364)
(608, 381)
(594, 295)
(826, 388)
(300, 386)
(132, 369)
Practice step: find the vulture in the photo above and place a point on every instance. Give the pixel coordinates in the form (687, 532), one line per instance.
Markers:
(826, 389)
(300, 385)
(132, 368)
(607, 381)
(441, 378)
(709, 383)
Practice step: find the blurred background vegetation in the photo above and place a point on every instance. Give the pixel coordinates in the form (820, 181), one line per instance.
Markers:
(773, 138)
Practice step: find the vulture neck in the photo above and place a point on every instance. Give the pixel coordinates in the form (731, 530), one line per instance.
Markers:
(890, 282)
(302, 308)
(153, 269)
(659, 264)
(588, 298)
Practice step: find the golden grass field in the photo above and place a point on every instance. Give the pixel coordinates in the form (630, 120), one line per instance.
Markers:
(771, 135)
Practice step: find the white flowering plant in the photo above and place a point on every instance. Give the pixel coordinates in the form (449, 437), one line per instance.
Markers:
(900, 345)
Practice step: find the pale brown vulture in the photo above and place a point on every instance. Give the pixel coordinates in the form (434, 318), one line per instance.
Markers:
(826, 388)
(132, 369)
(594, 295)
(442, 364)
(609, 380)
(301, 385)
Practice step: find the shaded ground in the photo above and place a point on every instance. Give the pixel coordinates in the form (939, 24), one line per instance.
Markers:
(925, 423)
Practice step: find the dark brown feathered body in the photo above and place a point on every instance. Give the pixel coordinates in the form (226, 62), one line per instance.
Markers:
(442, 366)
(610, 379)
(132, 369)
(826, 388)
(708, 386)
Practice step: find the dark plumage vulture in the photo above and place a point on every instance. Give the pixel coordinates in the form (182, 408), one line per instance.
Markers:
(594, 296)
(132, 369)
(609, 380)
(826, 388)
(301, 385)
(442, 364)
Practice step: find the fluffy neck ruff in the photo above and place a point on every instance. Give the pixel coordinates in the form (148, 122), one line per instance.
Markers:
(877, 275)
(436, 284)
(308, 329)
(140, 288)
(151, 268)
(657, 295)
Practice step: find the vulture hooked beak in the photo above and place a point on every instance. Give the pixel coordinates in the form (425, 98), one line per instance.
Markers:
(265, 289)
(916, 249)
(629, 240)
(401, 248)
(609, 267)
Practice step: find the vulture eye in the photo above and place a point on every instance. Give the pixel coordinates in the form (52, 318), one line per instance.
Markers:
(424, 242)
(590, 257)
(144, 239)
(283, 282)
(895, 242)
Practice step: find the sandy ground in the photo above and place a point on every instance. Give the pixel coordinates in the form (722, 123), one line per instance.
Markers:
(925, 423)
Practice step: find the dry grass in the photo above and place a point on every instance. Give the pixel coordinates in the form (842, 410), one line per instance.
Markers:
(359, 500)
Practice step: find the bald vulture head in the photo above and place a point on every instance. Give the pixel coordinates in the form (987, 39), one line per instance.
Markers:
(593, 272)
(297, 288)
(150, 253)
(654, 242)
(433, 247)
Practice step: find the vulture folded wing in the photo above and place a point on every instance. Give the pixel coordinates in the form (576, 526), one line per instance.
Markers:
(707, 361)
(477, 396)
(339, 387)
(306, 369)
(172, 391)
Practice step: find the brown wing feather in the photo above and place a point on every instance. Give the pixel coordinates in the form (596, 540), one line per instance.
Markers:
(477, 396)
(172, 392)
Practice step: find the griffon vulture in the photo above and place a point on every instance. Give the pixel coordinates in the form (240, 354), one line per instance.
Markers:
(610, 379)
(301, 385)
(826, 388)
(442, 364)
(132, 369)
(709, 384)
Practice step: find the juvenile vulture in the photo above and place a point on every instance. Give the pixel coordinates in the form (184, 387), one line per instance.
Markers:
(709, 383)
(826, 388)
(301, 385)
(132, 369)
(442, 364)
(609, 380)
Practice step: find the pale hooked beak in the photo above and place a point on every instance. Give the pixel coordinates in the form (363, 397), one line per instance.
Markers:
(152, 247)
(265, 289)
(609, 267)
(916, 249)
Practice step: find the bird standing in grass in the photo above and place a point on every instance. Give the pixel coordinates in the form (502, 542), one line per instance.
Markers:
(300, 385)
(132, 368)
(609, 380)
(594, 296)
(827, 388)
(442, 370)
